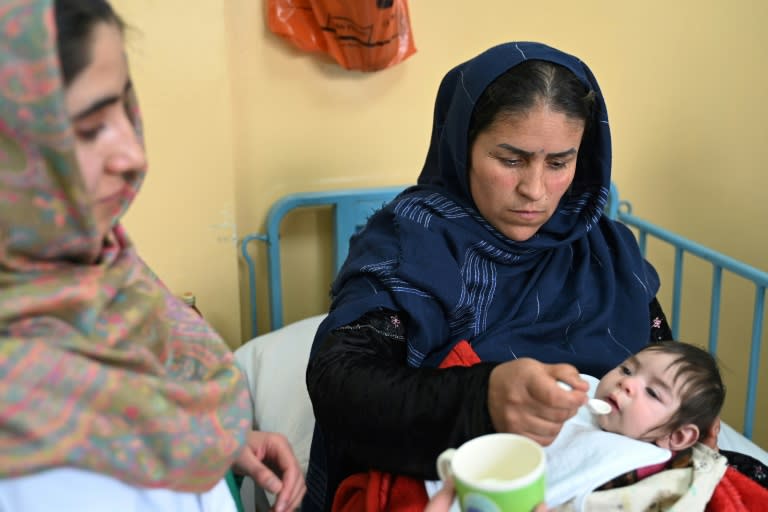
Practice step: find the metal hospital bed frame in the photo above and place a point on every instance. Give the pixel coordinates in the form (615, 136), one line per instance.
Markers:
(351, 209)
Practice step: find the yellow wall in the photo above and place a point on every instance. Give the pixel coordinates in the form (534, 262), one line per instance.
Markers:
(183, 221)
(237, 118)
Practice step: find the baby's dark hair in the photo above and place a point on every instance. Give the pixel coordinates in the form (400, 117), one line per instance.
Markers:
(702, 392)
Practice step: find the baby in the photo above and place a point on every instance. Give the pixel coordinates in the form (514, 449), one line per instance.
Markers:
(669, 393)
(663, 400)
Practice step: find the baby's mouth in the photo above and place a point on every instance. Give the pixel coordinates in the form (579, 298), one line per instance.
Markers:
(614, 403)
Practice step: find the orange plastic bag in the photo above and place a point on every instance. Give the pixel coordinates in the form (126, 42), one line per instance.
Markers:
(363, 35)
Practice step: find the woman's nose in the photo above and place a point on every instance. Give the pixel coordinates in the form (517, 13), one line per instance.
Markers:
(128, 153)
(531, 184)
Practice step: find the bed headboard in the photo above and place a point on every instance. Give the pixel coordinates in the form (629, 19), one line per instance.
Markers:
(351, 209)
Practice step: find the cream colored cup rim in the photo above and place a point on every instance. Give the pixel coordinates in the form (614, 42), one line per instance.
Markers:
(507, 485)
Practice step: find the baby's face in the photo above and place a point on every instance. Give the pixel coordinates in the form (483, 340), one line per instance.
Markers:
(643, 394)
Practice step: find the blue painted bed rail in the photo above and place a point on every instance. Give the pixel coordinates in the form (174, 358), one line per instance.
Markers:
(353, 207)
(622, 210)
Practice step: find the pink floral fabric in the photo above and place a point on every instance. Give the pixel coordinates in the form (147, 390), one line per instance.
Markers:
(101, 368)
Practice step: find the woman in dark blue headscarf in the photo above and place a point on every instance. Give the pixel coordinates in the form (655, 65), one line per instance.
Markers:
(503, 244)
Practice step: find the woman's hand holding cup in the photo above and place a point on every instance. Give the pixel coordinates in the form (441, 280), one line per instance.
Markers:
(492, 473)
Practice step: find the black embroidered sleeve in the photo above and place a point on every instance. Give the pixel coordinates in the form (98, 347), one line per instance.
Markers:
(748, 466)
(375, 412)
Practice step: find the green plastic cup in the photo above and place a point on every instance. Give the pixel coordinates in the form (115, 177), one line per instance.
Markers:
(496, 473)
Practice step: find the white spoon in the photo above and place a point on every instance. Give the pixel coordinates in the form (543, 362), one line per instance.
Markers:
(595, 405)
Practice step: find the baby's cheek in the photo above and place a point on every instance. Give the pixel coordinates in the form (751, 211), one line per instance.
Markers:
(604, 423)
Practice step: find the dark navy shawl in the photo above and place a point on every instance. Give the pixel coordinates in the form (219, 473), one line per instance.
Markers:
(578, 291)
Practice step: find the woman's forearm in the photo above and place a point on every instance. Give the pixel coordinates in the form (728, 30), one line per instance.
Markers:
(381, 414)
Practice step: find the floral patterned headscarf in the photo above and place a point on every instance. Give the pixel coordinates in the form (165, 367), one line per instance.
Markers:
(101, 367)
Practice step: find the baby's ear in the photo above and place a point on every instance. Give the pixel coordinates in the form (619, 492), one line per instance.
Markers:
(684, 437)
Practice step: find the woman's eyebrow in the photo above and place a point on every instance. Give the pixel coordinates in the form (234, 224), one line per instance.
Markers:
(563, 154)
(101, 103)
(515, 150)
(528, 154)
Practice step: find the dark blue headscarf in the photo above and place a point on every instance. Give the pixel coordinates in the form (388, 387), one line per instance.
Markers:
(578, 291)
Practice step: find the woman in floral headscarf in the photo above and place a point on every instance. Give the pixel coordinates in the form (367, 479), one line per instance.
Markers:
(107, 381)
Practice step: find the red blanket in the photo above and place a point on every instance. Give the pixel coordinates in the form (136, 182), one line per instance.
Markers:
(375, 491)
(738, 493)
